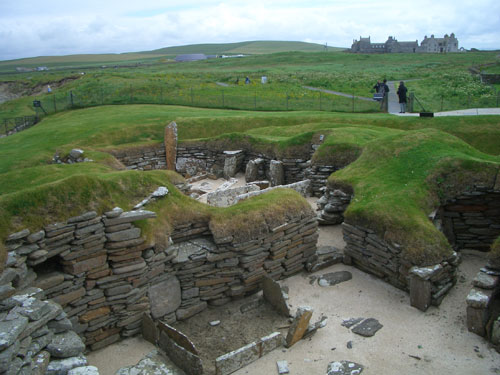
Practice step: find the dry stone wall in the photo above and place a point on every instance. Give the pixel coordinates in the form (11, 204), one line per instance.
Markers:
(193, 160)
(472, 220)
(101, 275)
(143, 159)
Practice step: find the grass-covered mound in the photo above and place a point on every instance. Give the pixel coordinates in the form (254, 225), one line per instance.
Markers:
(34, 192)
(400, 179)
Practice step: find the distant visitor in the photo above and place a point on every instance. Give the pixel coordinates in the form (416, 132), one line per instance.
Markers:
(402, 90)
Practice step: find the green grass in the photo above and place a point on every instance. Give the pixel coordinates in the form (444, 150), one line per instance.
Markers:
(399, 180)
(439, 81)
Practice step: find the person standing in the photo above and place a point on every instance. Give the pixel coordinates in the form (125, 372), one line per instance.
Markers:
(383, 89)
(402, 90)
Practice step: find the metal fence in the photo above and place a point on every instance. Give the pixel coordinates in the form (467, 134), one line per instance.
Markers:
(13, 125)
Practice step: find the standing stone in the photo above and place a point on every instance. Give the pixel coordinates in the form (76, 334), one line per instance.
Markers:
(171, 145)
(231, 163)
(251, 171)
(276, 173)
(165, 297)
(299, 325)
(420, 293)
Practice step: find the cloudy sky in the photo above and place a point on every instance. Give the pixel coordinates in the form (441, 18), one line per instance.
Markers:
(60, 27)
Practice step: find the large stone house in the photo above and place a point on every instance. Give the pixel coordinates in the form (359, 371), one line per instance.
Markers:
(392, 45)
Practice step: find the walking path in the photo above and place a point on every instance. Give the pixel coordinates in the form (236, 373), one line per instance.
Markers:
(338, 93)
(393, 105)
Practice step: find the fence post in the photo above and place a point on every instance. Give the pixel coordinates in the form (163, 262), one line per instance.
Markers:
(287, 101)
(353, 101)
(71, 98)
(255, 100)
(468, 100)
(5, 124)
(442, 97)
(498, 97)
(161, 94)
(222, 92)
(54, 97)
(191, 96)
(130, 95)
(102, 95)
(320, 101)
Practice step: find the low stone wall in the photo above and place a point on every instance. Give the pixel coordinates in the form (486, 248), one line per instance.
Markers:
(480, 306)
(193, 160)
(472, 220)
(144, 159)
(106, 276)
(490, 78)
(427, 285)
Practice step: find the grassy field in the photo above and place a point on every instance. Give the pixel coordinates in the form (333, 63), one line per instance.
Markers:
(401, 167)
(439, 82)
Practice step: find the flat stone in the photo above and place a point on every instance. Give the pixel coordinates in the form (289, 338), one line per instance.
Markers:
(348, 323)
(7, 355)
(188, 312)
(84, 370)
(35, 237)
(124, 235)
(86, 216)
(282, 367)
(65, 345)
(425, 273)
(299, 325)
(85, 265)
(479, 298)
(368, 327)
(63, 366)
(50, 280)
(485, 281)
(131, 216)
(18, 235)
(153, 363)
(232, 361)
(115, 212)
(6, 291)
(64, 299)
(333, 278)
(10, 330)
(40, 363)
(344, 368)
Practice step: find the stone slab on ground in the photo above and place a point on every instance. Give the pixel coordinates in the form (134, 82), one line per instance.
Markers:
(282, 367)
(368, 327)
(274, 295)
(153, 363)
(334, 278)
(344, 368)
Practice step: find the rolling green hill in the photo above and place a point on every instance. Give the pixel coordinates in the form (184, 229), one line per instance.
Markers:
(251, 48)
(90, 60)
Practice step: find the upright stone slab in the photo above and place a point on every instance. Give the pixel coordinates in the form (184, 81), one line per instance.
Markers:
(276, 173)
(299, 325)
(171, 145)
(165, 297)
(420, 293)
(232, 162)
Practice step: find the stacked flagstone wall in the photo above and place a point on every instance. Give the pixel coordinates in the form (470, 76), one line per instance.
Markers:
(97, 275)
(193, 160)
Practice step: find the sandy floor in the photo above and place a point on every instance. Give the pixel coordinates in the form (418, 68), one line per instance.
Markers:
(411, 342)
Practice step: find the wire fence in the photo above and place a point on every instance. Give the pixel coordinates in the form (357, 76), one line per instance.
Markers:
(232, 97)
(13, 125)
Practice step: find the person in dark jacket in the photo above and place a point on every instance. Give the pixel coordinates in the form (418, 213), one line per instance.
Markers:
(402, 90)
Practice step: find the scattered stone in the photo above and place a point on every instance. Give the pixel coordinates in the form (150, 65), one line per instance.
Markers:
(485, 281)
(348, 323)
(215, 323)
(10, 330)
(344, 368)
(282, 367)
(349, 344)
(115, 212)
(333, 278)
(368, 327)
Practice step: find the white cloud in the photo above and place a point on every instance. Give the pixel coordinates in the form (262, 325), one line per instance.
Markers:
(60, 27)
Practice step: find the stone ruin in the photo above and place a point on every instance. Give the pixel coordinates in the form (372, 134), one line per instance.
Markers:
(92, 280)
